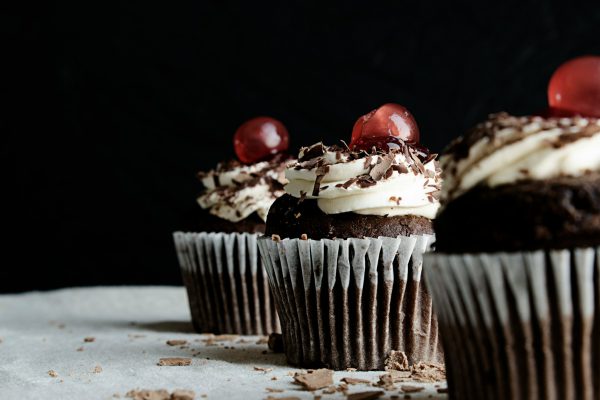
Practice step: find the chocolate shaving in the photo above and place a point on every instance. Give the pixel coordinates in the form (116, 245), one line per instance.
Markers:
(380, 169)
(314, 379)
(314, 151)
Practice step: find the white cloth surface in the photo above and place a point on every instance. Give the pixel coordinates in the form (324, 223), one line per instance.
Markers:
(42, 331)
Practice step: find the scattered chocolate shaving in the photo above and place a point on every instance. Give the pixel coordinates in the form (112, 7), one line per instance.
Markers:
(181, 394)
(89, 339)
(263, 369)
(174, 362)
(273, 390)
(53, 373)
(321, 171)
(442, 390)
(80, 349)
(381, 168)
(97, 369)
(311, 152)
(302, 197)
(411, 388)
(355, 381)
(370, 395)
(314, 379)
(276, 342)
(283, 398)
(176, 342)
(145, 394)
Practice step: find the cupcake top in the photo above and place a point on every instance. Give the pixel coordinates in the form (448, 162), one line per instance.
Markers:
(506, 149)
(233, 191)
(382, 184)
(399, 181)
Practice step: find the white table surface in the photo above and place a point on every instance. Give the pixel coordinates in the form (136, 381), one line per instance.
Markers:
(42, 331)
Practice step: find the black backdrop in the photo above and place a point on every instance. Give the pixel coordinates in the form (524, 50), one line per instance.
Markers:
(112, 109)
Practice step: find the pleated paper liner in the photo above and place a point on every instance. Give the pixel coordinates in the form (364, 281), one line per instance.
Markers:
(226, 283)
(348, 303)
(519, 325)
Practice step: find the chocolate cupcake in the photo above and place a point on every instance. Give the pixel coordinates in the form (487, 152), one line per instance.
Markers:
(343, 248)
(516, 274)
(220, 264)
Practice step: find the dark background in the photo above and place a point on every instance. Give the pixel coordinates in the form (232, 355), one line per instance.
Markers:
(112, 109)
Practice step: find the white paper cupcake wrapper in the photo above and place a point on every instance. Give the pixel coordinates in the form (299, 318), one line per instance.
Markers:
(519, 325)
(226, 283)
(348, 303)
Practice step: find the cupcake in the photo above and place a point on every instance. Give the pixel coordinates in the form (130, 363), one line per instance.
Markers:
(220, 264)
(343, 248)
(515, 277)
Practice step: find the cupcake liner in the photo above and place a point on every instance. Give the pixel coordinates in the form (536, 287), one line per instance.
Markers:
(519, 325)
(349, 303)
(226, 283)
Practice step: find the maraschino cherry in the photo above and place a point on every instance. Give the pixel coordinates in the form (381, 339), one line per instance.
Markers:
(385, 128)
(575, 88)
(259, 139)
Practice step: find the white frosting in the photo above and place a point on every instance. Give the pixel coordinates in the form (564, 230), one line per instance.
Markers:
(401, 193)
(236, 193)
(519, 148)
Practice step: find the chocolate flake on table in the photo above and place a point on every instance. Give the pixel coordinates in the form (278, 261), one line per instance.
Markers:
(79, 349)
(273, 390)
(97, 369)
(263, 369)
(411, 388)
(369, 395)
(442, 390)
(89, 339)
(53, 373)
(176, 342)
(314, 379)
(283, 398)
(275, 342)
(355, 381)
(174, 362)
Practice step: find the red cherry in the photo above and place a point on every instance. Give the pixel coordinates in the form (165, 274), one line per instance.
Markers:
(575, 86)
(383, 143)
(388, 120)
(259, 139)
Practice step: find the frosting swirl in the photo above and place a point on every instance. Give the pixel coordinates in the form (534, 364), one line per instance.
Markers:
(506, 149)
(233, 191)
(400, 182)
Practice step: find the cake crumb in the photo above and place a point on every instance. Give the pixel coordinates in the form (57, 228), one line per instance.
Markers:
(89, 339)
(174, 361)
(53, 373)
(97, 369)
(397, 360)
(176, 342)
(314, 379)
